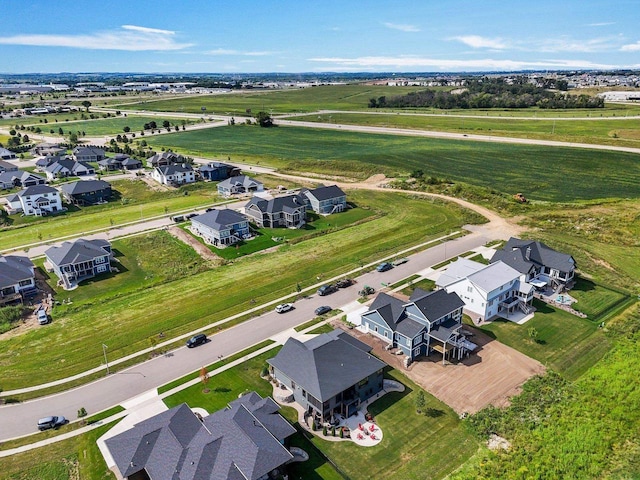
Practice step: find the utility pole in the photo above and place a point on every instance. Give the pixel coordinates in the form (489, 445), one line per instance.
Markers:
(104, 351)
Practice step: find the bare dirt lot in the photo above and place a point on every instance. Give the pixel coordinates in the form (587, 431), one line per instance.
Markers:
(201, 249)
(490, 375)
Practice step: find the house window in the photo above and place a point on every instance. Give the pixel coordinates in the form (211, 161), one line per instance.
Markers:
(386, 334)
(24, 283)
(375, 329)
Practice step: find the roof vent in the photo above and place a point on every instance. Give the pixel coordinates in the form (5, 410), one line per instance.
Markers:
(527, 253)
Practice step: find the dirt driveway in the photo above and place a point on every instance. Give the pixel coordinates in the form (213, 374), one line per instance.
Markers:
(201, 249)
(491, 375)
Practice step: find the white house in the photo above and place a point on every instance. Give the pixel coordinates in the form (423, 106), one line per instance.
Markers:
(16, 276)
(238, 185)
(36, 200)
(486, 290)
(174, 174)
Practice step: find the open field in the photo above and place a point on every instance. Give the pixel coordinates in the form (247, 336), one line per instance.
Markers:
(608, 131)
(132, 318)
(134, 201)
(565, 343)
(540, 172)
(108, 126)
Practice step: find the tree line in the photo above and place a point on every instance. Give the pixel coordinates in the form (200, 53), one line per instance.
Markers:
(493, 93)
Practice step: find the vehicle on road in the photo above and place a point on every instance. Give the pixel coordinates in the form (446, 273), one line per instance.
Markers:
(190, 215)
(322, 310)
(399, 261)
(48, 423)
(367, 290)
(196, 340)
(178, 218)
(327, 289)
(284, 307)
(344, 283)
(43, 318)
(384, 266)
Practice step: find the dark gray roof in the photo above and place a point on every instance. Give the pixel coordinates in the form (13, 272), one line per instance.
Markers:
(8, 177)
(75, 252)
(232, 443)
(7, 167)
(445, 330)
(435, 305)
(85, 186)
(13, 269)
(410, 328)
(390, 308)
(220, 219)
(131, 161)
(325, 365)
(288, 204)
(88, 151)
(522, 255)
(37, 190)
(173, 169)
(326, 193)
(239, 181)
(215, 166)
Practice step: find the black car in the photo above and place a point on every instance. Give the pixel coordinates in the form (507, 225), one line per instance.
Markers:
(196, 340)
(344, 283)
(326, 290)
(322, 310)
(384, 266)
(47, 423)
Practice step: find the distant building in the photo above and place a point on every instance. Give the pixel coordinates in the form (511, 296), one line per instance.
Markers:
(238, 185)
(174, 174)
(7, 154)
(216, 171)
(289, 211)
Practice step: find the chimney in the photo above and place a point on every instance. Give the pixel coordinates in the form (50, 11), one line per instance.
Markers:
(527, 253)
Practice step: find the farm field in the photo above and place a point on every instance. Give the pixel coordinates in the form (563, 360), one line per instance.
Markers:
(133, 317)
(542, 173)
(134, 202)
(608, 131)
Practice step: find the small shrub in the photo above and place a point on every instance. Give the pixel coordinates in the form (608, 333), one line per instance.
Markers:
(324, 430)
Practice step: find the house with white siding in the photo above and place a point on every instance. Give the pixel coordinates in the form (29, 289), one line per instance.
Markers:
(37, 200)
(174, 174)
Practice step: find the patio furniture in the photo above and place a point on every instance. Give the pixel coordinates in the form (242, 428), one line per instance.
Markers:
(360, 437)
(360, 427)
(373, 437)
(372, 428)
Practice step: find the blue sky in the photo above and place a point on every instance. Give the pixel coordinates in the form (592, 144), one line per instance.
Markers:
(316, 36)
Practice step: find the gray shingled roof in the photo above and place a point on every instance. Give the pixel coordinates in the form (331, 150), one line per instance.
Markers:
(326, 193)
(514, 254)
(13, 269)
(173, 169)
(389, 307)
(75, 252)
(37, 190)
(445, 330)
(232, 443)
(219, 219)
(85, 186)
(325, 365)
(7, 167)
(288, 204)
(240, 180)
(435, 305)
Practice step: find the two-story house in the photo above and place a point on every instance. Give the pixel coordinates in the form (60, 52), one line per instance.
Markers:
(88, 154)
(487, 290)
(75, 261)
(329, 374)
(17, 276)
(221, 227)
(238, 185)
(174, 174)
(86, 192)
(325, 200)
(38, 200)
(288, 211)
(216, 171)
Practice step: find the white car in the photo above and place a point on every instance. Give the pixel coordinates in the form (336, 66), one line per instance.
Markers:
(399, 261)
(284, 307)
(43, 318)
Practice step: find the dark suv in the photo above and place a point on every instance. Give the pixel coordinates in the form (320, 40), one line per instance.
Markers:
(196, 340)
(326, 290)
(47, 423)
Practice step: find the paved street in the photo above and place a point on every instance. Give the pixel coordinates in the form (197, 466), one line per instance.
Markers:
(20, 419)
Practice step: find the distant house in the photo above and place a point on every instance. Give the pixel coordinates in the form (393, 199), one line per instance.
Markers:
(216, 171)
(174, 174)
(428, 322)
(7, 167)
(43, 162)
(47, 149)
(131, 163)
(37, 200)
(75, 261)
(88, 154)
(330, 374)
(68, 168)
(7, 154)
(238, 185)
(245, 441)
(538, 263)
(288, 211)
(17, 276)
(163, 159)
(221, 227)
(487, 290)
(120, 161)
(86, 192)
(326, 200)
(19, 178)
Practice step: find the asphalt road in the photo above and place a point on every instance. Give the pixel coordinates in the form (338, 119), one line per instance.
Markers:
(20, 419)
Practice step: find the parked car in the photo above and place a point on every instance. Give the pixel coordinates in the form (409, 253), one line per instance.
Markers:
(43, 318)
(322, 310)
(210, 209)
(284, 307)
(384, 266)
(399, 261)
(196, 340)
(190, 215)
(47, 423)
(178, 218)
(326, 290)
(367, 290)
(344, 283)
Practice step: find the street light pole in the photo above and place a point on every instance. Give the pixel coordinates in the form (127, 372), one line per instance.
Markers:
(104, 351)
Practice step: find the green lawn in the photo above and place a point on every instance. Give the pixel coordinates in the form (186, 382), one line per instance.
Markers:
(130, 319)
(565, 343)
(134, 201)
(607, 130)
(593, 299)
(114, 125)
(425, 284)
(540, 172)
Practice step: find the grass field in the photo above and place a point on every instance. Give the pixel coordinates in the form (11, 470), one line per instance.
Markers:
(565, 343)
(595, 300)
(135, 201)
(608, 131)
(108, 126)
(541, 173)
(130, 319)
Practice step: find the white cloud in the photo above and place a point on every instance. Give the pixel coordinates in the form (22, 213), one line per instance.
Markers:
(632, 47)
(476, 41)
(566, 44)
(401, 27)
(600, 24)
(226, 51)
(416, 63)
(128, 37)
